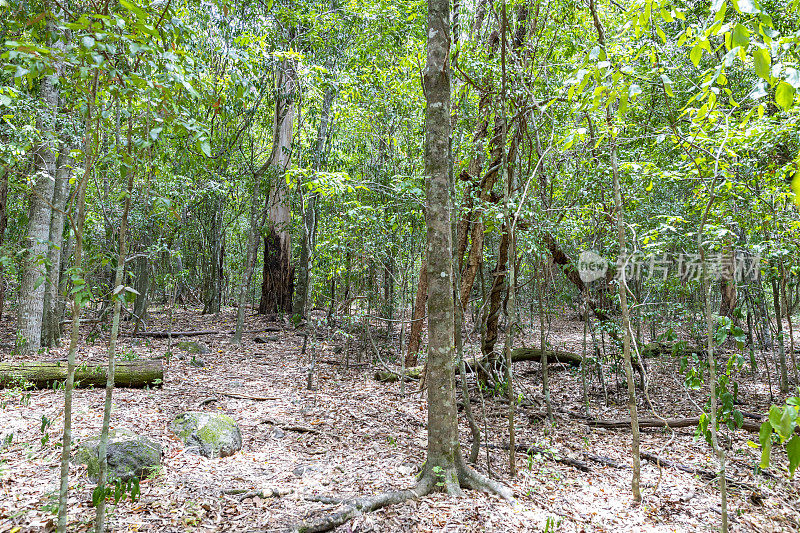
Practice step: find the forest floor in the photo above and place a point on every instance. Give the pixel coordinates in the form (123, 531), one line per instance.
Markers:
(369, 438)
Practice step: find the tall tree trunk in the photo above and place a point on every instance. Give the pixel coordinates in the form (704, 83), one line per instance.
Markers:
(443, 444)
(626, 325)
(51, 326)
(278, 284)
(34, 273)
(444, 465)
(3, 225)
(623, 288)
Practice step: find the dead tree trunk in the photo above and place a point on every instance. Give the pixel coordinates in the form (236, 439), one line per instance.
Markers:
(278, 283)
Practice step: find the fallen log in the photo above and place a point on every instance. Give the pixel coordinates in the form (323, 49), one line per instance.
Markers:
(167, 334)
(657, 348)
(705, 474)
(44, 374)
(517, 355)
(747, 425)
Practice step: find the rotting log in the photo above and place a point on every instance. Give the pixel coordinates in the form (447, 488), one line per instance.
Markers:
(517, 355)
(748, 425)
(44, 374)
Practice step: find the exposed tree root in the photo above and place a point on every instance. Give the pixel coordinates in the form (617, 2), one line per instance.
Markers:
(450, 481)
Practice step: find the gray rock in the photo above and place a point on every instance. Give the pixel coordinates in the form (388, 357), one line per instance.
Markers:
(128, 454)
(194, 347)
(208, 434)
(301, 470)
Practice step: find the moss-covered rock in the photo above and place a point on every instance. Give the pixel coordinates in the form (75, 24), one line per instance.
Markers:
(194, 347)
(209, 434)
(128, 454)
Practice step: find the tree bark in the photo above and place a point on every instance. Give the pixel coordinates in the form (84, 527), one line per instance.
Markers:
(496, 296)
(444, 450)
(34, 274)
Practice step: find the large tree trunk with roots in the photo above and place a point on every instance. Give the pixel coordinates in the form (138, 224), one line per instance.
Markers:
(278, 283)
(445, 468)
(51, 325)
(34, 273)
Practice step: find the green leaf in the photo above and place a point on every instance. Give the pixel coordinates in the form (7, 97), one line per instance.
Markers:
(696, 54)
(793, 451)
(765, 438)
(740, 36)
(775, 414)
(205, 147)
(787, 423)
(762, 60)
(667, 84)
(88, 42)
(133, 8)
(784, 95)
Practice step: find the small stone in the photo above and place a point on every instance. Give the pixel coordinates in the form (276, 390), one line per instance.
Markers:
(278, 433)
